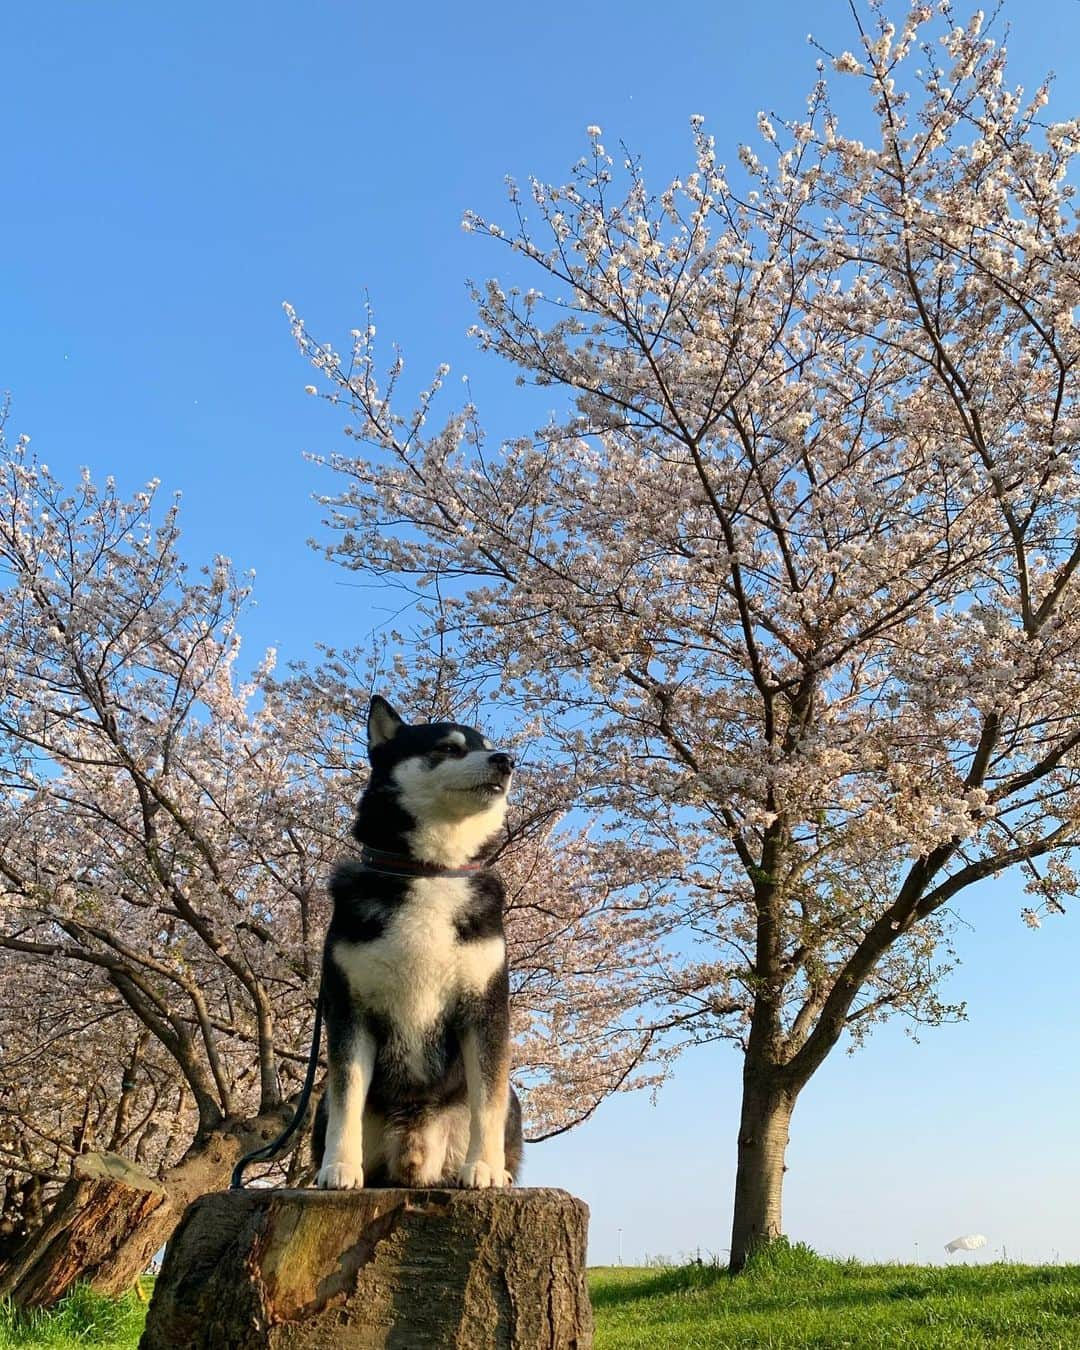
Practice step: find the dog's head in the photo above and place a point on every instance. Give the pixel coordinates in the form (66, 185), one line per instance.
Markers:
(442, 786)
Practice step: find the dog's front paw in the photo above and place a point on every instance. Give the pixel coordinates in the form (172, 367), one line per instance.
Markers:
(479, 1175)
(340, 1177)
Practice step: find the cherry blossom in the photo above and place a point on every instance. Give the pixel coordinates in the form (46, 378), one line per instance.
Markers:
(787, 582)
(169, 816)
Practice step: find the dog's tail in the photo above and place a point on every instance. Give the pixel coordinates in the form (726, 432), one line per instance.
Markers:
(514, 1143)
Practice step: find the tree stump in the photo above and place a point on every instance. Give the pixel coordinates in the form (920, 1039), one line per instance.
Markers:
(363, 1270)
(105, 1200)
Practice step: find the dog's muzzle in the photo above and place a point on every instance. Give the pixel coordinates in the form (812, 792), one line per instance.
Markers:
(502, 769)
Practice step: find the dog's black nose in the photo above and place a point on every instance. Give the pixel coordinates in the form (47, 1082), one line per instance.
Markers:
(501, 761)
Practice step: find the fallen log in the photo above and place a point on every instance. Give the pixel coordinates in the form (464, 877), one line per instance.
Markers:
(363, 1270)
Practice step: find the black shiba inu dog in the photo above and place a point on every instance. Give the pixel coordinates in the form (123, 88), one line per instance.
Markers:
(415, 982)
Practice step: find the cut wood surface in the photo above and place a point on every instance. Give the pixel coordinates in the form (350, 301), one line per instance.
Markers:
(362, 1270)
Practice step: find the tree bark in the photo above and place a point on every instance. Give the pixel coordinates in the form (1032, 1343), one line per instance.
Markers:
(111, 1217)
(205, 1167)
(22, 1213)
(105, 1199)
(374, 1269)
(759, 1178)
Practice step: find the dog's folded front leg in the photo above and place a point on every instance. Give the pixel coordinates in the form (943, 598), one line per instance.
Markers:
(487, 1080)
(349, 1079)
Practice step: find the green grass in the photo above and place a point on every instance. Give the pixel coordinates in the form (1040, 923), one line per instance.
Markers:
(791, 1299)
(788, 1299)
(81, 1319)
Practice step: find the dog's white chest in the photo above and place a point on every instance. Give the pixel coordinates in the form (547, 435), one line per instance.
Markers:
(419, 965)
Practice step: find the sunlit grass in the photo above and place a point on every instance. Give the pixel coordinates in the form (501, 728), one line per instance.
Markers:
(792, 1299)
(82, 1319)
(788, 1299)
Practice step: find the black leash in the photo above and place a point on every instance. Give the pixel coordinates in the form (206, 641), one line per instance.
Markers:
(270, 1151)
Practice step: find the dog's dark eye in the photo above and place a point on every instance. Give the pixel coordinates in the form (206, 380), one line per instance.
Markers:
(451, 748)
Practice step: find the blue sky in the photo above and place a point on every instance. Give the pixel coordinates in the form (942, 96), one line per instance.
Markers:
(173, 173)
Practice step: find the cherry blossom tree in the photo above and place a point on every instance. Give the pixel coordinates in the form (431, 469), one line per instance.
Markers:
(789, 575)
(166, 831)
(72, 1080)
(152, 835)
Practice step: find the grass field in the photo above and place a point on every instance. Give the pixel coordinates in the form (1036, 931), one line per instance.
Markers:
(83, 1319)
(788, 1300)
(791, 1299)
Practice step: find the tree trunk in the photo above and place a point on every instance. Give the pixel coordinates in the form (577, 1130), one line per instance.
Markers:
(111, 1218)
(759, 1179)
(105, 1199)
(205, 1167)
(21, 1215)
(375, 1270)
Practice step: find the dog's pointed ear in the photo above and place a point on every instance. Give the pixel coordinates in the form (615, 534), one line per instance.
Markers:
(382, 722)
